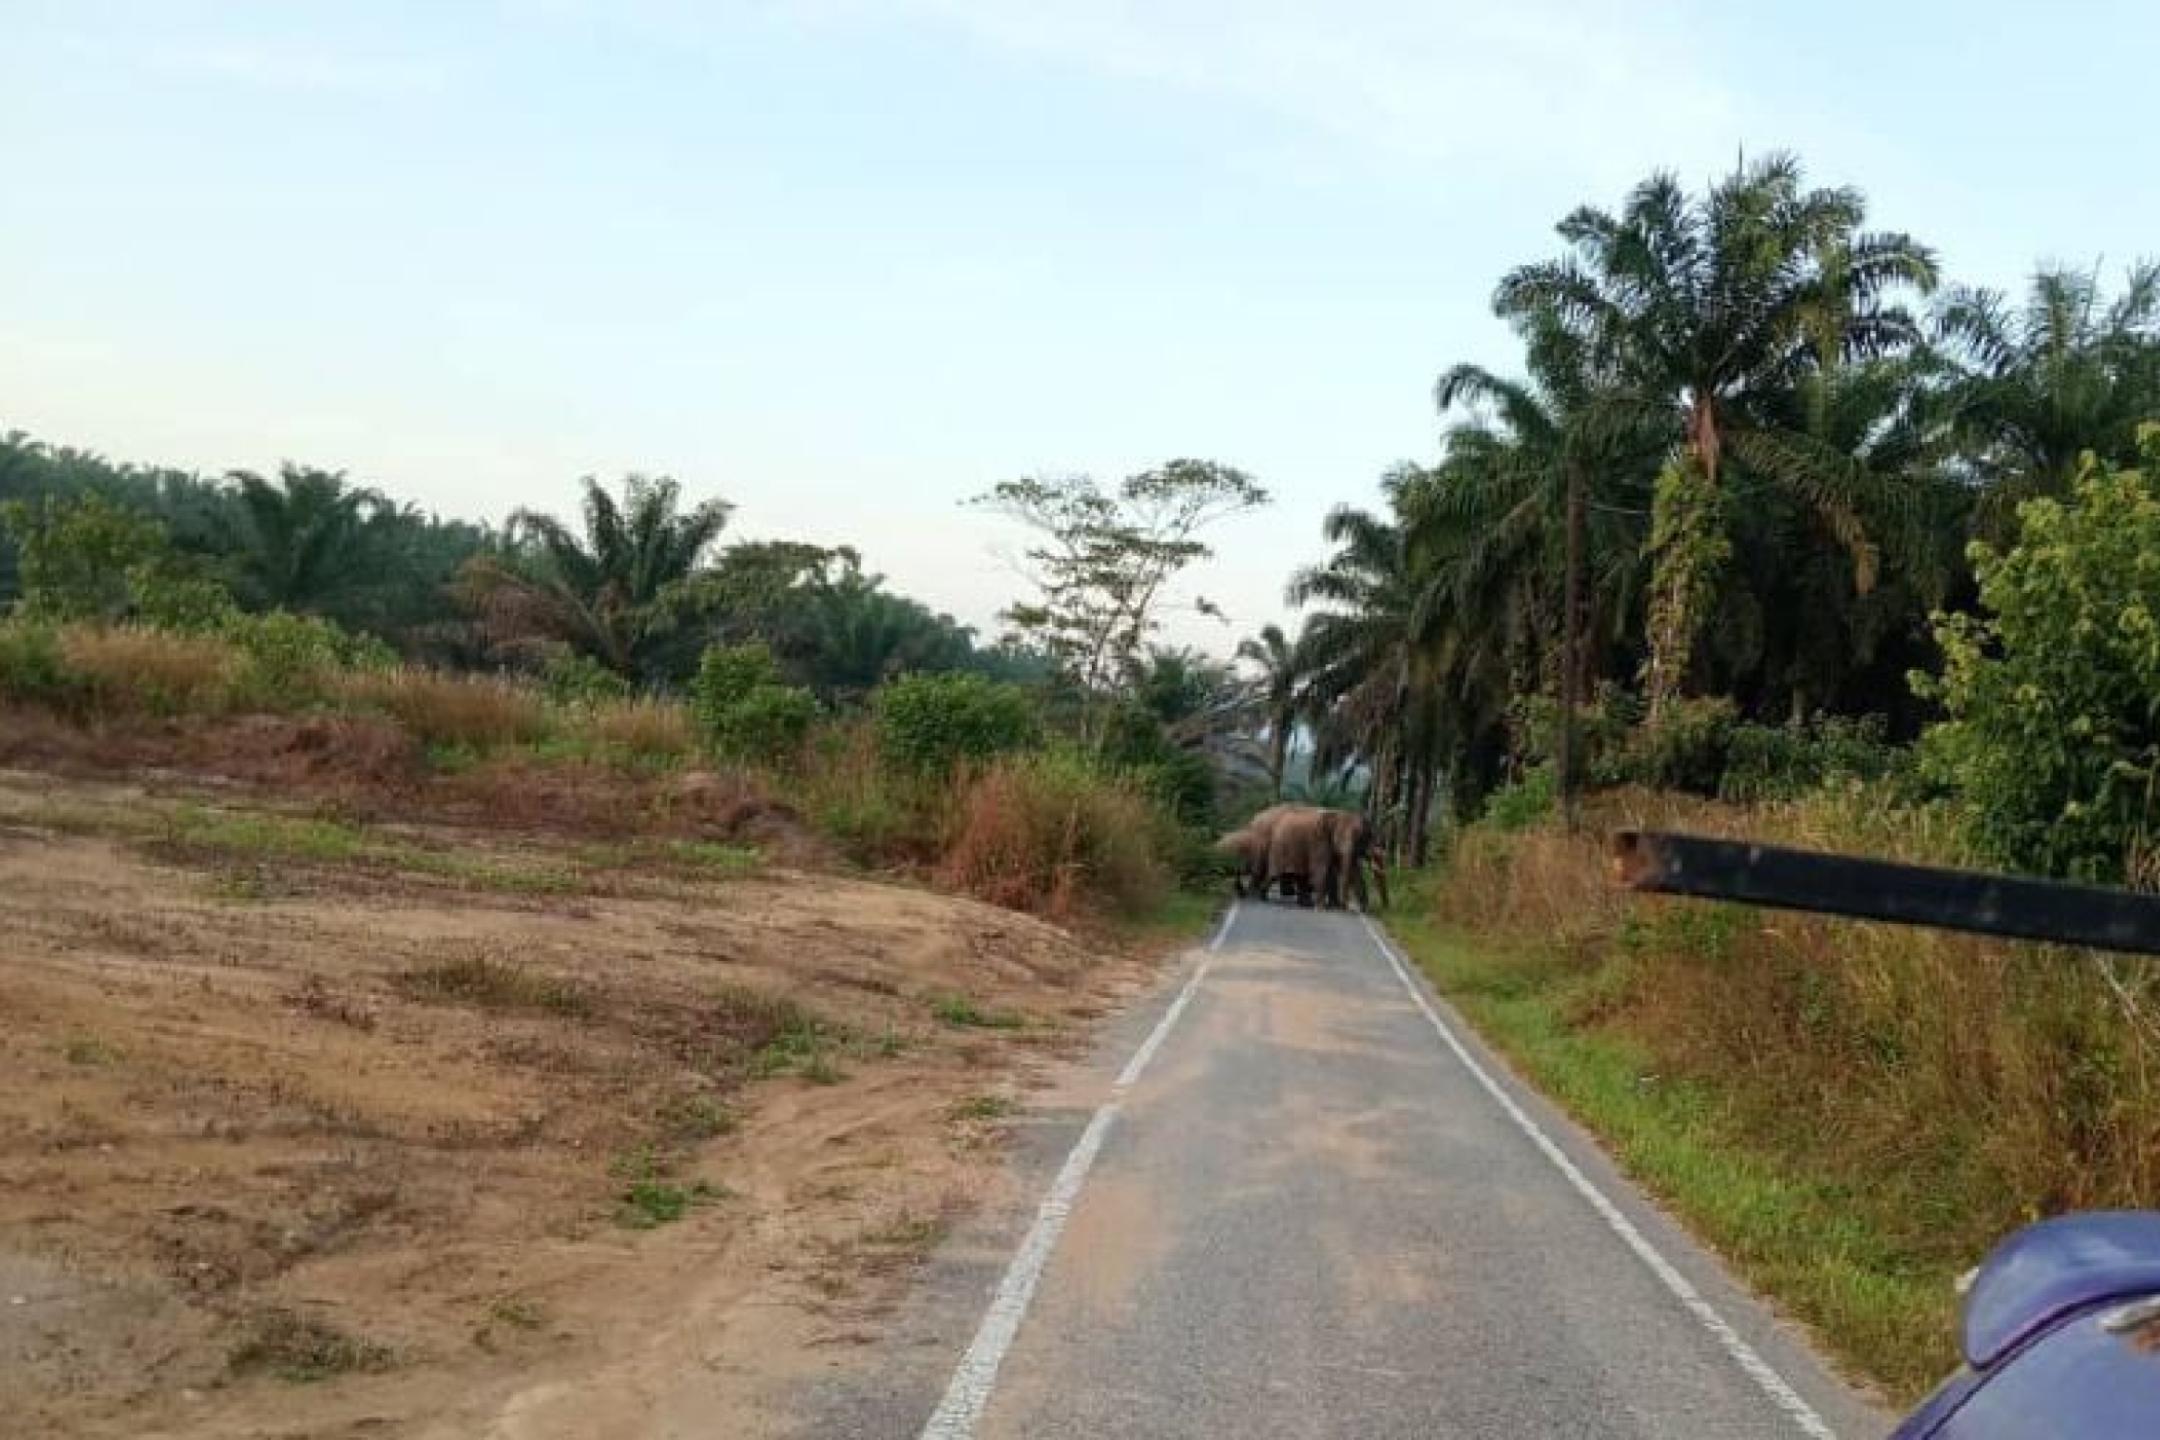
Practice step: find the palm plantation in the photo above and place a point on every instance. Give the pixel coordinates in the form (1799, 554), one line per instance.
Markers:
(1742, 463)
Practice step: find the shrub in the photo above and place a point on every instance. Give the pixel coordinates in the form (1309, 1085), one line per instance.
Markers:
(32, 669)
(930, 723)
(768, 725)
(171, 597)
(294, 660)
(1135, 741)
(570, 678)
(2053, 735)
(878, 813)
(438, 709)
(1784, 762)
(728, 673)
(1526, 801)
(77, 553)
(128, 670)
(1052, 834)
(744, 710)
(1685, 750)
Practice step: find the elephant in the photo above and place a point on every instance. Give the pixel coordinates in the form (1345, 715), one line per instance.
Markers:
(1249, 847)
(1250, 844)
(1355, 854)
(1301, 855)
(1319, 854)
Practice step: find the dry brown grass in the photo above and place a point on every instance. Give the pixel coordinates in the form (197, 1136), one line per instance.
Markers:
(126, 670)
(644, 727)
(1962, 1085)
(1044, 834)
(440, 709)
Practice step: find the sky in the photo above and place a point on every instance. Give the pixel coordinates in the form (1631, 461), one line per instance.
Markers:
(847, 263)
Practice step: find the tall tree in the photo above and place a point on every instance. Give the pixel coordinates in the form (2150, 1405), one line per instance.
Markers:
(1521, 476)
(2037, 386)
(305, 541)
(1104, 560)
(1281, 680)
(624, 591)
(1711, 308)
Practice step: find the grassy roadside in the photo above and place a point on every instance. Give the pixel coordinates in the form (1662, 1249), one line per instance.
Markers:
(1181, 917)
(1824, 1248)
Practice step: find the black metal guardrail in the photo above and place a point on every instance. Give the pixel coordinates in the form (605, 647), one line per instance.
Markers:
(1812, 880)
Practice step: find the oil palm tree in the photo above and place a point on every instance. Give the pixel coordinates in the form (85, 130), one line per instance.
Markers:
(1280, 682)
(1521, 476)
(623, 591)
(1404, 659)
(2036, 386)
(306, 541)
(1711, 309)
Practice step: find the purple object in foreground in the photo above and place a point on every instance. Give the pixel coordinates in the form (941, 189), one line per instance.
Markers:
(2060, 1335)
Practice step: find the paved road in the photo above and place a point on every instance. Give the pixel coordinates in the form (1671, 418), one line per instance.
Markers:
(1309, 1216)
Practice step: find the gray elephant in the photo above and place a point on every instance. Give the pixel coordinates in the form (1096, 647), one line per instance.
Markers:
(1356, 854)
(1249, 848)
(1319, 854)
(1250, 845)
(1301, 854)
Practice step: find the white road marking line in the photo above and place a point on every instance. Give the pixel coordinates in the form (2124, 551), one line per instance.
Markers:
(1743, 1354)
(968, 1393)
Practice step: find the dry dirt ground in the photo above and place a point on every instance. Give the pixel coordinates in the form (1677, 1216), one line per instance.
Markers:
(309, 1129)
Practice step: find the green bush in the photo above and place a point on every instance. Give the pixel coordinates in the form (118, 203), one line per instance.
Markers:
(1524, 803)
(77, 555)
(571, 678)
(1685, 750)
(32, 668)
(930, 723)
(1135, 742)
(744, 710)
(292, 658)
(171, 597)
(1784, 762)
(728, 673)
(2053, 735)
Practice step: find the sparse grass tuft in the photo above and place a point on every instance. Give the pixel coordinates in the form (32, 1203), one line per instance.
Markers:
(961, 1011)
(650, 1198)
(692, 1118)
(491, 984)
(713, 858)
(517, 1312)
(302, 1349)
(263, 836)
(983, 1108)
(89, 1051)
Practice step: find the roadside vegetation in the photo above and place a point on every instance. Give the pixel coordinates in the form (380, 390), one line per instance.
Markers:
(628, 676)
(1778, 533)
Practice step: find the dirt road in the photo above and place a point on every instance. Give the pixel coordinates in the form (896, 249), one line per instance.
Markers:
(1300, 1200)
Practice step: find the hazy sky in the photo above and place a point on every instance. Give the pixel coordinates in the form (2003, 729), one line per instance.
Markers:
(847, 262)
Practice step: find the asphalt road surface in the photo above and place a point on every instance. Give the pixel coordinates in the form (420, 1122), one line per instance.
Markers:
(1304, 1201)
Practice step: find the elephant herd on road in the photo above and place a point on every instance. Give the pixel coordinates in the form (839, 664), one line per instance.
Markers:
(1315, 855)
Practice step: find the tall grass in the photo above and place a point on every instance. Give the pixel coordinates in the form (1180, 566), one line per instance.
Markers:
(876, 812)
(645, 727)
(125, 670)
(1943, 1089)
(1049, 833)
(454, 710)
